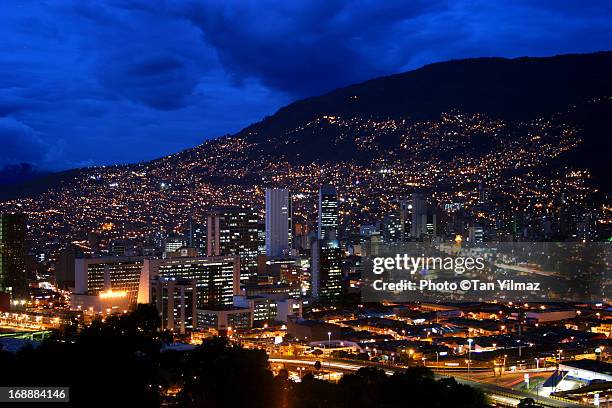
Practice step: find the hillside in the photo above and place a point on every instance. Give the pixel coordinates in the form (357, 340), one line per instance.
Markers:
(535, 130)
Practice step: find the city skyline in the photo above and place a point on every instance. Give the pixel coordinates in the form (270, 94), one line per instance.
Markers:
(421, 223)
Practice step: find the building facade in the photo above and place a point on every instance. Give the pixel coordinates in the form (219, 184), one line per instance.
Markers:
(12, 256)
(326, 272)
(217, 278)
(175, 301)
(233, 231)
(328, 212)
(278, 222)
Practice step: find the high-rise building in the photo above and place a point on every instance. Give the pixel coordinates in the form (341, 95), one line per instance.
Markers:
(12, 256)
(419, 216)
(174, 243)
(475, 234)
(110, 278)
(405, 212)
(483, 194)
(64, 268)
(233, 231)
(326, 273)
(328, 212)
(197, 236)
(175, 301)
(278, 222)
(392, 227)
(217, 278)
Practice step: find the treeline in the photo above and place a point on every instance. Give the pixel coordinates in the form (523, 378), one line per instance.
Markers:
(119, 362)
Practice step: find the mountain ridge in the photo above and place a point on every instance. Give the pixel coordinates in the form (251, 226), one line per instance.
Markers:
(510, 89)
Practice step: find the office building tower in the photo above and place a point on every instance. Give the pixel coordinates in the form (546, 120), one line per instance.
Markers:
(64, 268)
(233, 231)
(197, 237)
(392, 227)
(475, 234)
(225, 319)
(278, 222)
(109, 278)
(261, 238)
(483, 194)
(12, 256)
(405, 214)
(328, 212)
(217, 278)
(175, 301)
(174, 243)
(326, 273)
(419, 215)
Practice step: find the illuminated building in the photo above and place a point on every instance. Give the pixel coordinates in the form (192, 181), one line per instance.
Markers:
(392, 227)
(12, 256)
(326, 273)
(405, 210)
(278, 222)
(174, 243)
(280, 289)
(328, 212)
(197, 235)
(104, 302)
(424, 222)
(419, 216)
(270, 307)
(225, 319)
(217, 278)
(476, 234)
(93, 276)
(175, 301)
(233, 231)
(284, 270)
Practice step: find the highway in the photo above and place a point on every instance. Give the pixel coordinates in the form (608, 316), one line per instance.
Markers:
(500, 395)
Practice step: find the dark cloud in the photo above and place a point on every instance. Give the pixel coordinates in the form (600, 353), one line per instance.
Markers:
(19, 143)
(159, 82)
(128, 80)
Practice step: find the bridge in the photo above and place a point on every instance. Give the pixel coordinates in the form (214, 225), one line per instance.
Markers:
(38, 335)
(500, 395)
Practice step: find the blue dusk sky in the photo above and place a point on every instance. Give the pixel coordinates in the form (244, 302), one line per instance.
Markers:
(88, 83)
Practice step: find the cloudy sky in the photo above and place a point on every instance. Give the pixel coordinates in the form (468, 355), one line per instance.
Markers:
(84, 82)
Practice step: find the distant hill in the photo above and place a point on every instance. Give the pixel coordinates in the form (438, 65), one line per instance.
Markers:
(509, 89)
(399, 116)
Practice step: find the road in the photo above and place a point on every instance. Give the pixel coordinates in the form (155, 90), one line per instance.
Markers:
(495, 392)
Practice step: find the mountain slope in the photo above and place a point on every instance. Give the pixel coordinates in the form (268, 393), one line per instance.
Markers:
(520, 88)
(536, 131)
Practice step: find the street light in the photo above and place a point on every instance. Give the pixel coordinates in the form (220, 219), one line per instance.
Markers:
(329, 357)
(469, 355)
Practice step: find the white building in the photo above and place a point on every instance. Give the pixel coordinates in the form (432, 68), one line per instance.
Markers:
(278, 222)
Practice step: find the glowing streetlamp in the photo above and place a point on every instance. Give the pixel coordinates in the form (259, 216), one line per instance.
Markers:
(469, 354)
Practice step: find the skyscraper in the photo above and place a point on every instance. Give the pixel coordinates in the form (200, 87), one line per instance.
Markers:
(12, 256)
(328, 212)
(216, 278)
(176, 303)
(419, 216)
(114, 274)
(233, 231)
(278, 221)
(326, 273)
